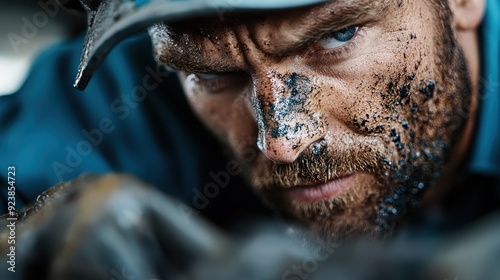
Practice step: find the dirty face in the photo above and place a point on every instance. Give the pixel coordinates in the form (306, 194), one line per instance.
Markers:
(353, 107)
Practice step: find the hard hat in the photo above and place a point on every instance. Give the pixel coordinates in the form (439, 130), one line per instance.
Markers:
(110, 21)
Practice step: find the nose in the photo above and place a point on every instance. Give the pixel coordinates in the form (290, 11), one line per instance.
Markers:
(288, 115)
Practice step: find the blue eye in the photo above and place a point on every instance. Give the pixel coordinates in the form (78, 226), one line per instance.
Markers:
(345, 34)
(338, 38)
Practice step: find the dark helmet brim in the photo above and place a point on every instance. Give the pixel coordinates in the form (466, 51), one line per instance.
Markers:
(114, 20)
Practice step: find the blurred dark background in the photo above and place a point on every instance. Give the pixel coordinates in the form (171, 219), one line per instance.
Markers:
(27, 27)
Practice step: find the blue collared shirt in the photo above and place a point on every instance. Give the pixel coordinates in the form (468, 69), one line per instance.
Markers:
(485, 157)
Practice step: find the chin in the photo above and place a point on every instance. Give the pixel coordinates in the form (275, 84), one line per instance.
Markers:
(354, 211)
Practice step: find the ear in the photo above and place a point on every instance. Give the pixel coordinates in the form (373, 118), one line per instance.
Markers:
(468, 14)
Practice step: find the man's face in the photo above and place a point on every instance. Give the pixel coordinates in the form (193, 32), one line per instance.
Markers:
(353, 106)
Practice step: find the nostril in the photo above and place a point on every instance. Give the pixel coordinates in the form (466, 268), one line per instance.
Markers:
(279, 151)
(288, 115)
(286, 144)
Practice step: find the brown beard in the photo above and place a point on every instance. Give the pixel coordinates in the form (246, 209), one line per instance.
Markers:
(319, 164)
(372, 208)
(396, 181)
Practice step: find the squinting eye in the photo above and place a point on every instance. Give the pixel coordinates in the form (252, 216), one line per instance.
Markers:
(338, 38)
(208, 77)
(218, 81)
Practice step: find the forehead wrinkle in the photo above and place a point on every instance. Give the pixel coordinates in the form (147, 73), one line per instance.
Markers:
(185, 50)
(309, 26)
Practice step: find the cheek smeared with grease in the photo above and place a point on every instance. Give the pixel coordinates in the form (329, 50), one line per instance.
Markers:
(289, 111)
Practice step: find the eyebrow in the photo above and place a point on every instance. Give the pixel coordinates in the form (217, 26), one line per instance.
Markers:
(318, 21)
(338, 15)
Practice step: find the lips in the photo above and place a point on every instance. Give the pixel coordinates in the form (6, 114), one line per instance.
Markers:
(311, 192)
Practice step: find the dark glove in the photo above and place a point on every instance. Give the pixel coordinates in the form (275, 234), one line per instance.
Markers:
(117, 227)
(105, 227)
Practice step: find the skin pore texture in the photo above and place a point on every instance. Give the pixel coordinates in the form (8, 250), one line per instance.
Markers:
(350, 133)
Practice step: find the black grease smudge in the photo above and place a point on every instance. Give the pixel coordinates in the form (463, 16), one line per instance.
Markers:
(428, 90)
(274, 117)
(299, 86)
(405, 90)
